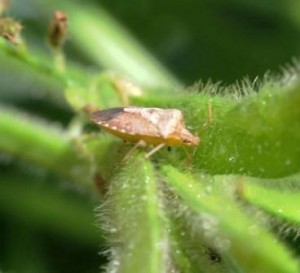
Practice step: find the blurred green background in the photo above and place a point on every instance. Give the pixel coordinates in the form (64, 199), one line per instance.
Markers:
(46, 225)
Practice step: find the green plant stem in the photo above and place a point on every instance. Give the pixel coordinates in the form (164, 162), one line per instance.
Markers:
(229, 228)
(134, 211)
(109, 45)
(42, 145)
(281, 203)
(37, 65)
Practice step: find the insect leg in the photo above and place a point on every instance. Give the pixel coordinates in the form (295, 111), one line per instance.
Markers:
(154, 150)
(140, 143)
(189, 156)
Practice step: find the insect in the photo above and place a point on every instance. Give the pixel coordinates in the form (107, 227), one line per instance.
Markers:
(152, 126)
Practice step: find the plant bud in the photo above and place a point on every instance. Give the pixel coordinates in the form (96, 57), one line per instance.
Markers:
(10, 30)
(58, 30)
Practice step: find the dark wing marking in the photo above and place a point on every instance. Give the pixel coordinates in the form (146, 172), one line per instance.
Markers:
(105, 116)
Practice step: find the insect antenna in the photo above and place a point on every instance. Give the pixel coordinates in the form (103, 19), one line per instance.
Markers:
(209, 116)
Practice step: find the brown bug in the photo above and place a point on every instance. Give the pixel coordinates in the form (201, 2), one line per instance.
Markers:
(154, 126)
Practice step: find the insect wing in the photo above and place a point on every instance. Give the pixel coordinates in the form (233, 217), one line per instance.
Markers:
(161, 122)
(129, 122)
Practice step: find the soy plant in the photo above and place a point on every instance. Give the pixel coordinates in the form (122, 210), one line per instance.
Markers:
(206, 209)
(212, 211)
